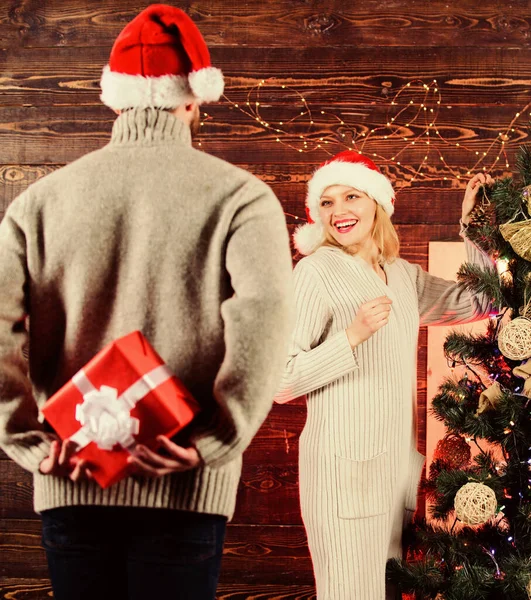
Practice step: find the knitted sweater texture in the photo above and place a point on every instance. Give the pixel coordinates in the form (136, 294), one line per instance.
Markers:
(359, 466)
(146, 233)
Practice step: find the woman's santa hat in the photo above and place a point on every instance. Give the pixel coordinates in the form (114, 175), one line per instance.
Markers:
(160, 60)
(346, 168)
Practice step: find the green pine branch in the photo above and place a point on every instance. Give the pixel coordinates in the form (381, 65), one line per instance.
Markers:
(481, 281)
(491, 561)
(471, 581)
(507, 200)
(421, 577)
(517, 571)
(475, 349)
(523, 164)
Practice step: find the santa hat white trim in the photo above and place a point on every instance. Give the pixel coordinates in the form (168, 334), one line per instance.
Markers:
(356, 175)
(121, 90)
(307, 238)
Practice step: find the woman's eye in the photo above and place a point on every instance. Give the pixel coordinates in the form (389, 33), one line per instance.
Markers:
(325, 203)
(352, 197)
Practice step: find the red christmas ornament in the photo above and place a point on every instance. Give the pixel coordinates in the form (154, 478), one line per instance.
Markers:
(453, 451)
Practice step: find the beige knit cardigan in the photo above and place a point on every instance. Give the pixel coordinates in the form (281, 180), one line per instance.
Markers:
(359, 466)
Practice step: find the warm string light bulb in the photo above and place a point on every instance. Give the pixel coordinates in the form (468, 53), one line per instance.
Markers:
(504, 273)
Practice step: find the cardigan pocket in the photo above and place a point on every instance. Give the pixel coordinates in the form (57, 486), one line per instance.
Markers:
(363, 486)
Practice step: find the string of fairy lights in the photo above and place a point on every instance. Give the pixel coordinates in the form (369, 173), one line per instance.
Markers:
(411, 133)
(410, 130)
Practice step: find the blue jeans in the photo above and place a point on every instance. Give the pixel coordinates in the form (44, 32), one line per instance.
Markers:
(123, 553)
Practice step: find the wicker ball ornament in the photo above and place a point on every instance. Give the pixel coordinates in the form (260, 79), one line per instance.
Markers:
(525, 311)
(453, 450)
(514, 340)
(475, 504)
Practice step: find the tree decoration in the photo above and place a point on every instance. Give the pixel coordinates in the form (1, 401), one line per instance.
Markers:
(480, 215)
(524, 371)
(514, 340)
(489, 398)
(504, 272)
(519, 236)
(453, 451)
(489, 555)
(526, 194)
(475, 504)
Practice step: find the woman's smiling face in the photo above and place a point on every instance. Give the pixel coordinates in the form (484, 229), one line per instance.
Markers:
(347, 215)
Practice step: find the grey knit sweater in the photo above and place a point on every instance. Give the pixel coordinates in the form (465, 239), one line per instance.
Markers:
(146, 233)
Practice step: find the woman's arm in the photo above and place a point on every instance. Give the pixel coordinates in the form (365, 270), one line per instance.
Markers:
(443, 302)
(313, 363)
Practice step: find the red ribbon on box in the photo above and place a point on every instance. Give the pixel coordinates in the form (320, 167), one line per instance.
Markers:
(125, 395)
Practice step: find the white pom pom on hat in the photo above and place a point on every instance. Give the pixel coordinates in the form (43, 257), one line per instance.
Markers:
(307, 238)
(346, 168)
(160, 60)
(207, 84)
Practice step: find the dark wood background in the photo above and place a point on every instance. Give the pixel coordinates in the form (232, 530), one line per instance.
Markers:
(345, 57)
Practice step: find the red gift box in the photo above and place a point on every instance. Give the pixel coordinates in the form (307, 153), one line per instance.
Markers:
(125, 395)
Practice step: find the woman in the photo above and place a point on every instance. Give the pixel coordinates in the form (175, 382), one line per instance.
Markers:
(353, 353)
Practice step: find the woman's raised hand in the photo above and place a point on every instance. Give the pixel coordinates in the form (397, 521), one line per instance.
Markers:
(471, 192)
(371, 316)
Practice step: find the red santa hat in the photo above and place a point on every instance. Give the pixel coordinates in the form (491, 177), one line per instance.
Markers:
(160, 60)
(346, 168)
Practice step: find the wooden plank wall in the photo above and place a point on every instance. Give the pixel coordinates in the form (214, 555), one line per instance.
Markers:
(344, 57)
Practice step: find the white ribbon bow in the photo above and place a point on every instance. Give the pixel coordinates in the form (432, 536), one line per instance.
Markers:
(106, 418)
(106, 421)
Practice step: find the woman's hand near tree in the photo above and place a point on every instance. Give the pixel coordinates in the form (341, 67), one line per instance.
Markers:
(471, 194)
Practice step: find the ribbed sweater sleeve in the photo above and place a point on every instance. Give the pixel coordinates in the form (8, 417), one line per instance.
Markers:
(21, 434)
(443, 302)
(313, 363)
(257, 324)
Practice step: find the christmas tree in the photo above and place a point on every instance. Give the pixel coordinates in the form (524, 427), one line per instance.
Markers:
(477, 545)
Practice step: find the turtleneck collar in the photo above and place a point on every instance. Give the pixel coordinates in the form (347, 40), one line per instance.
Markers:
(147, 126)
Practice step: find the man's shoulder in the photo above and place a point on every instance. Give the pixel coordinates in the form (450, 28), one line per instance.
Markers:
(59, 177)
(218, 167)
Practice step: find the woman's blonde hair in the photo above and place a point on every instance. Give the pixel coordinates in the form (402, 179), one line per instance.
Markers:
(384, 235)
